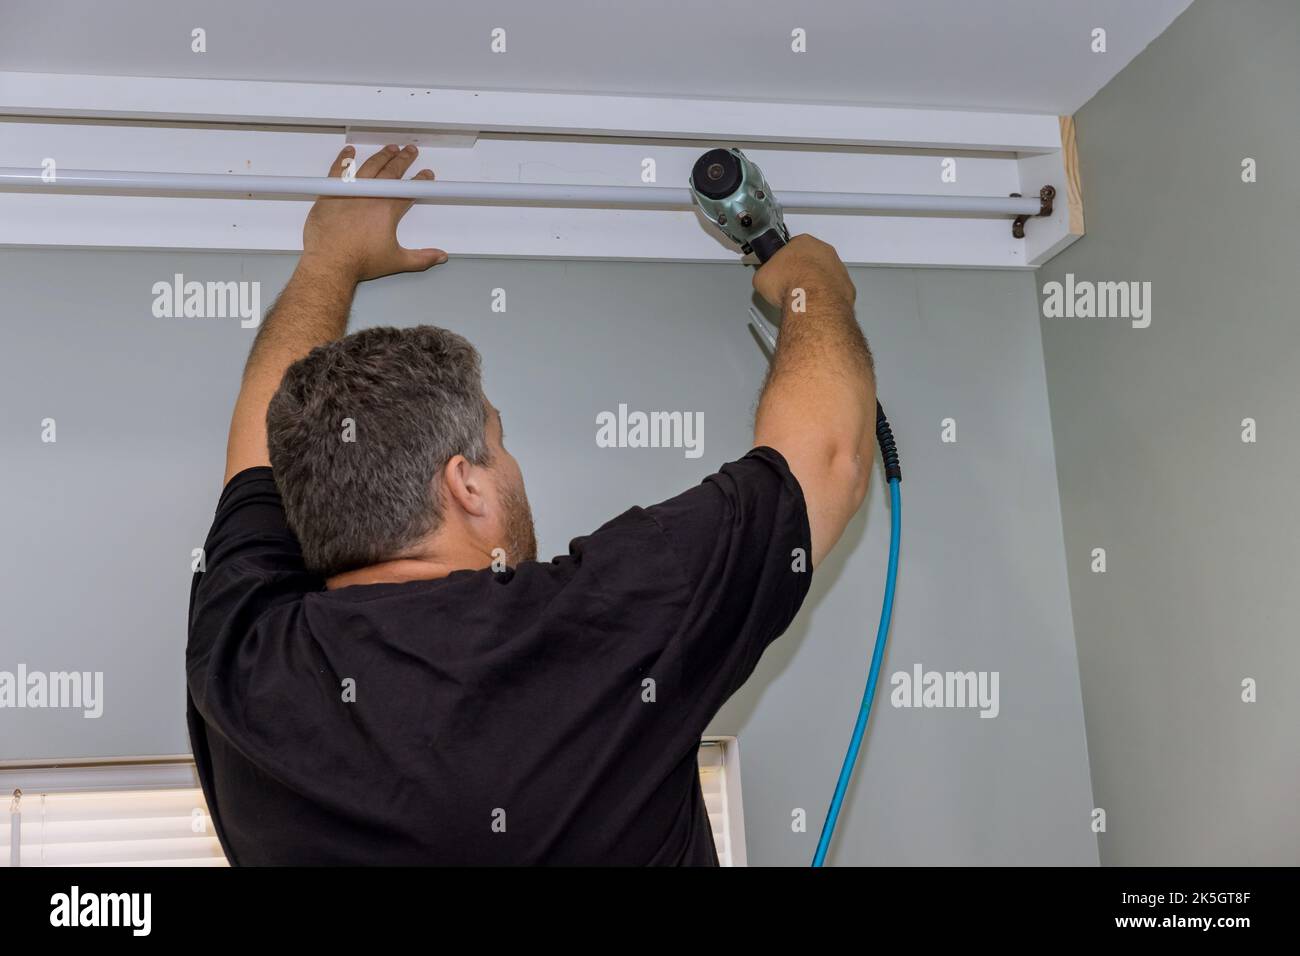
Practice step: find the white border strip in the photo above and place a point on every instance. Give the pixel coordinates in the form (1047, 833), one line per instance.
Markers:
(76, 776)
(319, 104)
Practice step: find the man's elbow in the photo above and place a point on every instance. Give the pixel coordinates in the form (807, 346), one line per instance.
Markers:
(851, 474)
(842, 484)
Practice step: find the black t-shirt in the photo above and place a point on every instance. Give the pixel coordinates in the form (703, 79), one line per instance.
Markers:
(545, 714)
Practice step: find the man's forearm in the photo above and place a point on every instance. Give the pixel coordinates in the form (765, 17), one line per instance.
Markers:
(818, 403)
(312, 310)
(823, 341)
(822, 368)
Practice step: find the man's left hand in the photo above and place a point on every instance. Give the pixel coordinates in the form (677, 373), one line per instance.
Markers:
(357, 238)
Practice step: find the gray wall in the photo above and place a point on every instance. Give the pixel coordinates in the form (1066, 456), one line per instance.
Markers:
(100, 525)
(1200, 529)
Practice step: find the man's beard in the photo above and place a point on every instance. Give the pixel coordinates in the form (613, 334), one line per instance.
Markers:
(521, 538)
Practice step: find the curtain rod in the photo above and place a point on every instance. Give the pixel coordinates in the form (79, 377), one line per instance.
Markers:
(548, 194)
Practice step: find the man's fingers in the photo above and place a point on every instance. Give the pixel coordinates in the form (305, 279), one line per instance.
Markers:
(423, 175)
(371, 168)
(336, 170)
(389, 163)
(397, 166)
(417, 260)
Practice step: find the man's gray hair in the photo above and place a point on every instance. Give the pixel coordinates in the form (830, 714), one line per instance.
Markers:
(359, 432)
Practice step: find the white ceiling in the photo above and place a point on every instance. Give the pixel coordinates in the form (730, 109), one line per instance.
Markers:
(1015, 55)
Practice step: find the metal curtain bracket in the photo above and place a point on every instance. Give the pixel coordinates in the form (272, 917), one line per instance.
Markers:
(1045, 196)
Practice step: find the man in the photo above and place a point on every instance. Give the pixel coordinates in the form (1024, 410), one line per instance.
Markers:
(379, 669)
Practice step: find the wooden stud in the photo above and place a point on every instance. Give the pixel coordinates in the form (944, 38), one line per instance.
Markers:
(1073, 186)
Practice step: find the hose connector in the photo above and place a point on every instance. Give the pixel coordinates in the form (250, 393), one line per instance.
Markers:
(888, 448)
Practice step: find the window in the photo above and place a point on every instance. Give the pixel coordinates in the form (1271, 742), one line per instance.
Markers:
(719, 759)
(107, 814)
(152, 813)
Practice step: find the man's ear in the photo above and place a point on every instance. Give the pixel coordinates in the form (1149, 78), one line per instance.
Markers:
(462, 483)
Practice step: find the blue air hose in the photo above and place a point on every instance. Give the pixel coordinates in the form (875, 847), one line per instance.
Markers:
(894, 475)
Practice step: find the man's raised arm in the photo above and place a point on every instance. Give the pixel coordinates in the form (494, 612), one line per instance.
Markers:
(818, 407)
(345, 241)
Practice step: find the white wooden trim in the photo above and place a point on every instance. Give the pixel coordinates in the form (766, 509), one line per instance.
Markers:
(134, 129)
(735, 799)
(319, 104)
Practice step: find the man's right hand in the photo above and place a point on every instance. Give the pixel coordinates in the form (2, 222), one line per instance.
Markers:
(807, 263)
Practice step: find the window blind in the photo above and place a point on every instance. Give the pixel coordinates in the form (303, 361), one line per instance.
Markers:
(154, 815)
(111, 828)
